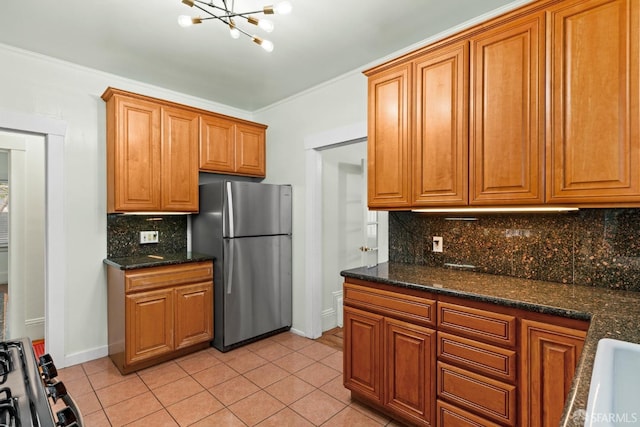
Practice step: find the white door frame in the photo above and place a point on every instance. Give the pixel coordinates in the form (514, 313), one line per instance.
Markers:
(54, 308)
(313, 217)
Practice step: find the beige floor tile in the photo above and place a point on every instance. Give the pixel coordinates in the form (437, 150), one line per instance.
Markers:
(317, 374)
(88, 402)
(97, 419)
(132, 386)
(157, 419)
(246, 362)
(266, 375)
(293, 362)
(285, 418)
(350, 417)
(195, 408)
(233, 390)
(257, 407)
(79, 386)
(273, 351)
(293, 341)
(132, 409)
(289, 389)
(71, 373)
(335, 388)
(215, 375)
(197, 362)
(163, 374)
(178, 390)
(317, 407)
(317, 351)
(97, 365)
(334, 361)
(105, 378)
(223, 418)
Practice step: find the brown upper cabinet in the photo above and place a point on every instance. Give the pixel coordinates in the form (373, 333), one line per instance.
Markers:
(593, 127)
(232, 146)
(153, 147)
(388, 157)
(464, 121)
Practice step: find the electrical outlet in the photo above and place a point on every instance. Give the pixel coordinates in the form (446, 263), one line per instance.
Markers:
(437, 243)
(148, 237)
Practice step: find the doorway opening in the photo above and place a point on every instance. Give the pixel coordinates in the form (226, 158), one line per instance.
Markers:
(22, 234)
(337, 222)
(52, 134)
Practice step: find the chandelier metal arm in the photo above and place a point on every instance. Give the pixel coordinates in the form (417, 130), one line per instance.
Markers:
(228, 13)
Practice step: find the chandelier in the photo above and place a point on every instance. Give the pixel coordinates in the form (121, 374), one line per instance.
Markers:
(224, 11)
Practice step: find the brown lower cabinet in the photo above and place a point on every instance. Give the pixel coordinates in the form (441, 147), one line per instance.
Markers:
(430, 359)
(158, 313)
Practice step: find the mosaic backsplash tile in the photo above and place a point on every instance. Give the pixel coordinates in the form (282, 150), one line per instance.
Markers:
(597, 247)
(123, 234)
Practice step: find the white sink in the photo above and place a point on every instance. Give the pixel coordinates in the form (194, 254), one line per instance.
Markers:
(614, 393)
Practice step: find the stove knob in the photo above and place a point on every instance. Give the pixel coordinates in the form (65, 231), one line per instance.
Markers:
(66, 418)
(49, 370)
(56, 390)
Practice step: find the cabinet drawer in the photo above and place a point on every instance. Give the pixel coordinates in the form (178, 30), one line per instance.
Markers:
(452, 416)
(490, 398)
(482, 358)
(475, 323)
(411, 308)
(170, 275)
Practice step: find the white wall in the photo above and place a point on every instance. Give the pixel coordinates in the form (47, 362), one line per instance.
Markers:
(37, 85)
(340, 102)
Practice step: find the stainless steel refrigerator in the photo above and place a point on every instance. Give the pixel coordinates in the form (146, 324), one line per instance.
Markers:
(247, 227)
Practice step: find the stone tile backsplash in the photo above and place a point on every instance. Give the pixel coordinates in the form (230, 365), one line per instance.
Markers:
(123, 234)
(597, 247)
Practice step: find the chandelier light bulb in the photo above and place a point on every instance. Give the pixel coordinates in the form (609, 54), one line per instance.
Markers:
(184, 21)
(233, 31)
(283, 8)
(267, 45)
(266, 25)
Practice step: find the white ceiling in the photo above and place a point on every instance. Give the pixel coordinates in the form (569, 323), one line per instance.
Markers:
(140, 40)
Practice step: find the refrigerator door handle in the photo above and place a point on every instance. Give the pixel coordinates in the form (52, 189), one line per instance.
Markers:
(229, 264)
(230, 210)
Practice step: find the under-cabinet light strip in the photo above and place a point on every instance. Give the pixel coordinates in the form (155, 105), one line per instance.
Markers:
(497, 210)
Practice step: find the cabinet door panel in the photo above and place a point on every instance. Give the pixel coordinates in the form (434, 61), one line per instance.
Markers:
(409, 369)
(149, 324)
(136, 151)
(388, 145)
(194, 314)
(549, 357)
(594, 129)
(362, 353)
(441, 144)
(217, 144)
(507, 149)
(179, 177)
(250, 151)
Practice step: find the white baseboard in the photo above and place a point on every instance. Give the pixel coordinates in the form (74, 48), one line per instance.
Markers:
(83, 356)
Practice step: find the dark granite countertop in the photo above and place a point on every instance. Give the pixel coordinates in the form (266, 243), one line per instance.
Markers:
(157, 260)
(613, 313)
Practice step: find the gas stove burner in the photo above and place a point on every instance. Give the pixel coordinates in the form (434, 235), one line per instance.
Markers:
(8, 409)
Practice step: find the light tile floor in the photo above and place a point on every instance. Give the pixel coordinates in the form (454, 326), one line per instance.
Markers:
(284, 380)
